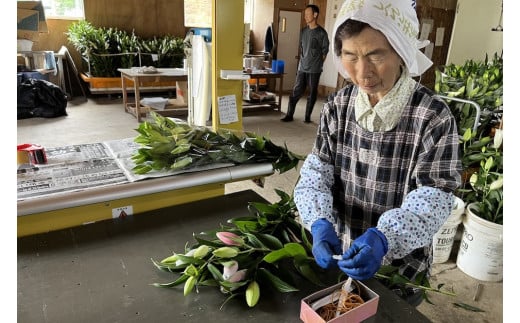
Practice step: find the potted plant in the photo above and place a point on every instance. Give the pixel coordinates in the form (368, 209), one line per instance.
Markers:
(480, 82)
(484, 187)
(477, 105)
(104, 50)
(480, 252)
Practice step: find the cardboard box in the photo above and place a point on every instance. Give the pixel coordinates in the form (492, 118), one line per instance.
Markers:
(358, 314)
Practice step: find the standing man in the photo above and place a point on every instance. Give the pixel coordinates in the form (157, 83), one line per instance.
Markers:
(314, 46)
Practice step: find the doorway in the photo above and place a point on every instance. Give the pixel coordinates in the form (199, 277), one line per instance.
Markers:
(289, 25)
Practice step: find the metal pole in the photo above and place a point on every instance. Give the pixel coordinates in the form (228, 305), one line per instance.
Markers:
(473, 103)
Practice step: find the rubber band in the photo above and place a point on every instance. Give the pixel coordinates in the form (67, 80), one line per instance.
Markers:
(330, 310)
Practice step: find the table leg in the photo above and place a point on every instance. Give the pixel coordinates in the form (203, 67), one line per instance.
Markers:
(137, 99)
(280, 90)
(123, 91)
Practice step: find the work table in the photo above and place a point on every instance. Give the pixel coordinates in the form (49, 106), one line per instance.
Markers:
(102, 272)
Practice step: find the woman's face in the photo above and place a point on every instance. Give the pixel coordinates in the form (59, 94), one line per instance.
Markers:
(371, 62)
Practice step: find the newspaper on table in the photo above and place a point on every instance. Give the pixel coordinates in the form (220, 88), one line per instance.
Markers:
(86, 166)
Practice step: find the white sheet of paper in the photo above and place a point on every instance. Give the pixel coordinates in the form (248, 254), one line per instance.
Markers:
(439, 36)
(428, 50)
(426, 28)
(227, 109)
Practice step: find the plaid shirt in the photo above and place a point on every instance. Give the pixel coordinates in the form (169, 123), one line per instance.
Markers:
(400, 180)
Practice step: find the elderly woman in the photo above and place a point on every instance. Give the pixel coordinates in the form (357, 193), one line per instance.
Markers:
(385, 163)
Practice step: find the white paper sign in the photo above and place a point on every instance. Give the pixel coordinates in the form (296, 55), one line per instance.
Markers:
(439, 36)
(428, 50)
(426, 28)
(227, 109)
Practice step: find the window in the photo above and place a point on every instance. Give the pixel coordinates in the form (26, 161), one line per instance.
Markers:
(63, 9)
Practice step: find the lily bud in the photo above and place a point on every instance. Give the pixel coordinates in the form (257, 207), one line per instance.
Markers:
(180, 262)
(201, 252)
(170, 260)
(226, 252)
(188, 286)
(252, 293)
(230, 268)
(497, 139)
(238, 276)
(191, 270)
(495, 185)
(230, 238)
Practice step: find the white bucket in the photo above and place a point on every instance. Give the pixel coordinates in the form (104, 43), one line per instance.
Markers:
(443, 239)
(480, 253)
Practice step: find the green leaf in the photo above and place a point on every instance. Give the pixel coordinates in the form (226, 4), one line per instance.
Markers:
(276, 282)
(305, 238)
(263, 207)
(174, 283)
(181, 162)
(215, 272)
(210, 243)
(276, 255)
(191, 271)
(209, 282)
(269, 240)
(468, 307)
(399, 279)
(247, 225)
(232, 286)
(294, 249)
(190, 260)
(169, 267)
(305, 269)
(387, 270)
(254, 241)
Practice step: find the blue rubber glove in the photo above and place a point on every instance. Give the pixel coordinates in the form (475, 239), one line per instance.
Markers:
(325, 243)
(363, 259)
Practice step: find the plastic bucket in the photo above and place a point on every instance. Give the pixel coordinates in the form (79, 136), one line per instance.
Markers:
(480, 253)
(280, 67)
(443, 239)
(277, 66)
(274, 65)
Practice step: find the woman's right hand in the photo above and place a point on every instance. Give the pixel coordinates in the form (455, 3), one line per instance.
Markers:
(325, 243)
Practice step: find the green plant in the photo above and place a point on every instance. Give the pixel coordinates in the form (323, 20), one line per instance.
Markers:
(107, 49)
(477, 81)
(268, 248)
(163, 52)
(482, 83)
(174, 145)
(483, 160)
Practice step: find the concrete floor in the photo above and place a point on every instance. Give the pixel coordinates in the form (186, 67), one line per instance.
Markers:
(102, 117)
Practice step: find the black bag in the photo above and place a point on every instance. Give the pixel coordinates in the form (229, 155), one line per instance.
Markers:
(40, 98)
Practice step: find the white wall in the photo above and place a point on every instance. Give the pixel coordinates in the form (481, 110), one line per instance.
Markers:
(329, 76)
(472, 37)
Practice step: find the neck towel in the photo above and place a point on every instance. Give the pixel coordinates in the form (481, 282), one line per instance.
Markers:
(384, 115)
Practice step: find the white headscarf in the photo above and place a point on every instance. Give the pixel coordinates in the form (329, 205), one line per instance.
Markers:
(397, 20)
